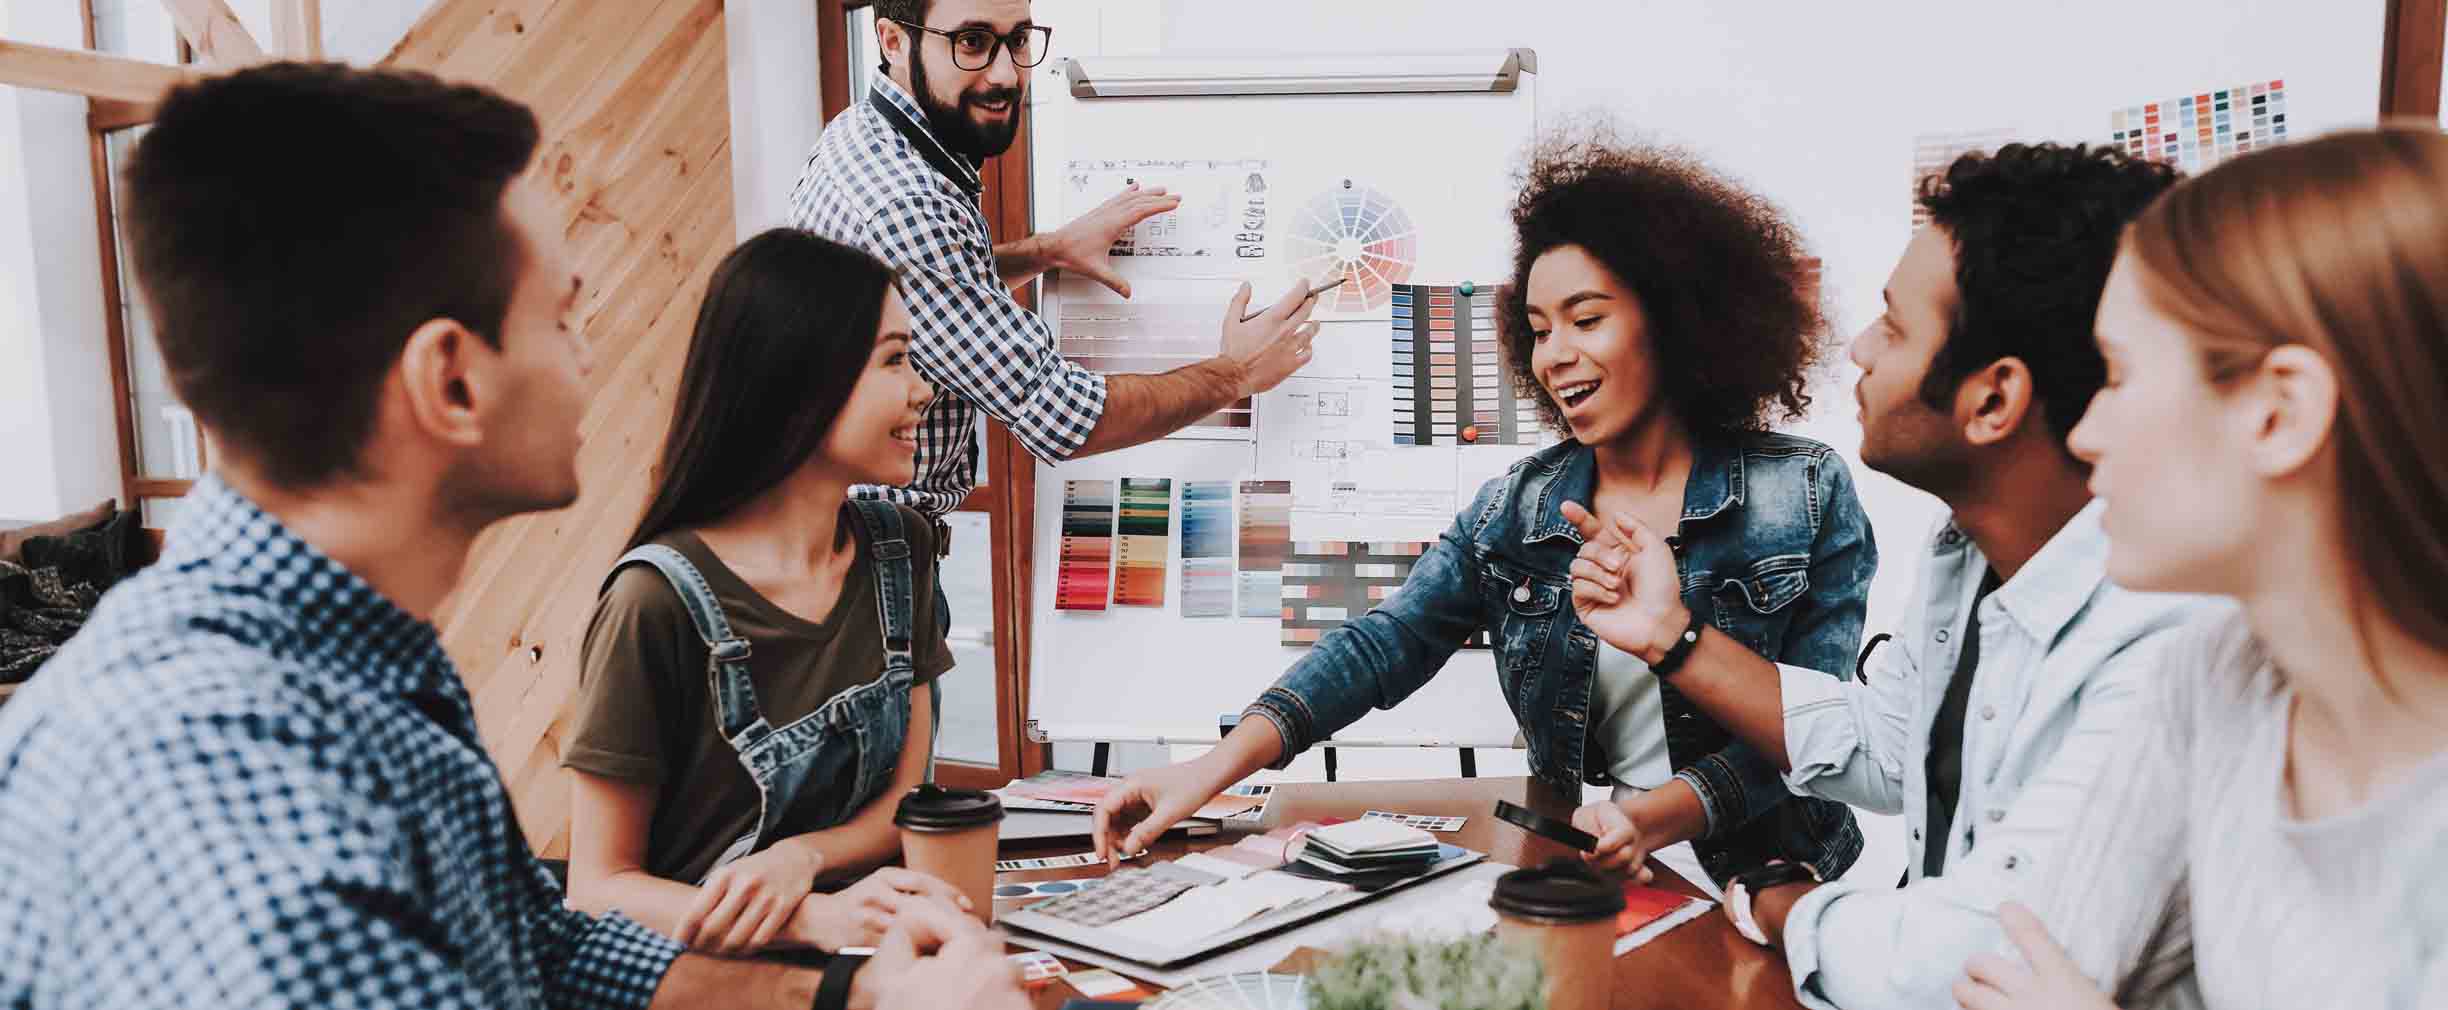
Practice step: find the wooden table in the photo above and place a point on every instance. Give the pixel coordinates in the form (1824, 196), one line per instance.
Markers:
(1703, 963)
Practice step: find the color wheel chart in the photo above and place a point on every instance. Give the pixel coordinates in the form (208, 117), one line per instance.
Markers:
(1451, 385)
(2195, 132)
(1207, 548)
(1328, 582)
(1147, 531)
(1086, 569)
(1359, 234)
(1266, 536)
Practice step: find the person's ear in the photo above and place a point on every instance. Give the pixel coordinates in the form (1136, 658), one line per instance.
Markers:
(2290, 406)
(1992, 403)
(893, 42)
(443, 383)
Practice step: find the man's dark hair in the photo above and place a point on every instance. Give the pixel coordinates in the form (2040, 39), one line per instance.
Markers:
(291, 224)
(1732, 311)
(2035, 228)
(912, 11)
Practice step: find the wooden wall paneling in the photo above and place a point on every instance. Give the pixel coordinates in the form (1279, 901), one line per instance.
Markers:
(472, 40)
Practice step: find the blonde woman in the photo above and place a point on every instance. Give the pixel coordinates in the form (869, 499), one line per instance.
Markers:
(2276, 333)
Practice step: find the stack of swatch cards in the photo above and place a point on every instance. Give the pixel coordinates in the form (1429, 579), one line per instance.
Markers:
(1365, 852)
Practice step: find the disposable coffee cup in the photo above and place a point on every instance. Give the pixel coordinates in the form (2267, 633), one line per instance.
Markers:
(950, 834)
(1567, 914)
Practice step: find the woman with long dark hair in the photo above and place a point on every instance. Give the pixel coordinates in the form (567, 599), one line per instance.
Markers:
(748, 697)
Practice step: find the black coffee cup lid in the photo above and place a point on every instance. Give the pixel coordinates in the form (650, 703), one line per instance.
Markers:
(1562, 891)
(934, 808)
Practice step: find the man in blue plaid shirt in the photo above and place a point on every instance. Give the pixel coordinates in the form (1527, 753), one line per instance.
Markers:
(254, 779)
(897, 176)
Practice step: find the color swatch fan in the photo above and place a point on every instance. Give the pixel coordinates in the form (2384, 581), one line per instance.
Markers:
(1249, 990)
(1360, 235)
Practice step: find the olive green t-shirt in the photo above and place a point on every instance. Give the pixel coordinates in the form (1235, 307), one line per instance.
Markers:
(644, 713)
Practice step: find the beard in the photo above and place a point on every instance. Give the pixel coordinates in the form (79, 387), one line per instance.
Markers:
(951, 123)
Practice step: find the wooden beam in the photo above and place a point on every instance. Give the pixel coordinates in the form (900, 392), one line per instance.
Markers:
(92, 75)
(297, 29)
(214, 32)
(105, 115)
(2410, 58)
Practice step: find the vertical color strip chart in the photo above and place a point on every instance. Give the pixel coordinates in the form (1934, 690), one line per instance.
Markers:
(1266, 535)
(1087, 545)
(2195, 132)
(1147, 532)
(1207, 551)
(1328, 582)
(1451, 383)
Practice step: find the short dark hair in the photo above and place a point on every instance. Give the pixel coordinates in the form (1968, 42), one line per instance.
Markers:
(912, 11)
(783, 337)
(2034, 228)
(1732, 309)
(291, 224)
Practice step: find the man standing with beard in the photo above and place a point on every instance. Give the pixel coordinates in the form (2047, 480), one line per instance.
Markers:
(897, 175)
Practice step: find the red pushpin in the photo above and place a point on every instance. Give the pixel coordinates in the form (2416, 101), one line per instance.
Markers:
(1471, 433)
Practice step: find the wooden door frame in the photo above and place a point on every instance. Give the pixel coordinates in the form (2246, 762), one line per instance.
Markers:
(2410, 50)
(1008, 496)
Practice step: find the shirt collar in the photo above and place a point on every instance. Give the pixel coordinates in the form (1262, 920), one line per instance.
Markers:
(2050, 589)
(1570, 473)
(344, 627)
(916, 127)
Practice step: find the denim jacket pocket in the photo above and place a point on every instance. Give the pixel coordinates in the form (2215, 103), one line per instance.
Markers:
(1757, 606)
(1524, 607)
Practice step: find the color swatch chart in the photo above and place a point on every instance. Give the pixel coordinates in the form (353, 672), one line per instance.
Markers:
(1358, 234)
(1142, 337)
(1451, 383)
(1328, 582)
(1934, 153)
(1146, 529)
(2195, 132)
(1086, 570)
(1266, 537)
(1207, 548)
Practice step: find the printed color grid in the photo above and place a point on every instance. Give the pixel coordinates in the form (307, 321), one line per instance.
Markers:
(1266, 535)
(1451, 384)
(2195, 132)
(1207, 552)
(1147, 529)
(1087, 545)
(1328, 582)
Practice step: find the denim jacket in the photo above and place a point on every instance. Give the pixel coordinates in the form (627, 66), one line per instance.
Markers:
(1773, 549)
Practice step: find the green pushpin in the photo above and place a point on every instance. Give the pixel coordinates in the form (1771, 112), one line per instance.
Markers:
(1468, 289)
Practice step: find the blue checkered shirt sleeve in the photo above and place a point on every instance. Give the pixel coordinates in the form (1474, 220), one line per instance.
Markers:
(978, 343)
(259, 861)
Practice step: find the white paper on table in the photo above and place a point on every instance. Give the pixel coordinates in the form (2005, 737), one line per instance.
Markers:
(1202, 912)
(1224, 868)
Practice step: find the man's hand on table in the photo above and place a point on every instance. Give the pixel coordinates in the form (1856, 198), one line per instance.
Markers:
(935, 957)
(1133, 815)
(1770, 907)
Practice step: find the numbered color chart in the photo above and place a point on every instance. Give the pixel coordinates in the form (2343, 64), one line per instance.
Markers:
(1207, 551)
(1087, 545)
(1328, 582)
(1147, 533)
(1266, 536)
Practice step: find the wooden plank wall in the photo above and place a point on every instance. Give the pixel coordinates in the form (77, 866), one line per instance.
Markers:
(635, 107)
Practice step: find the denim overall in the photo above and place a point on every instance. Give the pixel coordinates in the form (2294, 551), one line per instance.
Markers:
(859, 731)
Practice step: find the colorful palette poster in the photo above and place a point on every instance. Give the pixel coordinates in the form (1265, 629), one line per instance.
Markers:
(1086, 569)
(1328, 582)
(1146, 529)
(1452, 385)
(1357, 234)
(1266, 536)
(1207, 548)
(2195, 132)
(1161, 330)
(1933, 153)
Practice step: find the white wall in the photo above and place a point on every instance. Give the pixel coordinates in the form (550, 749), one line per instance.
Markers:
(777, 104)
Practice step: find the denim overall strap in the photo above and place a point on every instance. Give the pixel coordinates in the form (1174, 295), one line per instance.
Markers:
(727, 682)
(893, 578)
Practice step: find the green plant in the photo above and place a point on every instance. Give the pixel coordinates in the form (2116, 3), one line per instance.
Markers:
(1393, 972)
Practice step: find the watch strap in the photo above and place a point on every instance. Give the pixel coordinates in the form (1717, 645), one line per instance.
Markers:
(833, 993)
(1681, 649)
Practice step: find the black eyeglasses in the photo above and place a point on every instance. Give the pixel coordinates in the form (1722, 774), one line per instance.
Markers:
(975, 48)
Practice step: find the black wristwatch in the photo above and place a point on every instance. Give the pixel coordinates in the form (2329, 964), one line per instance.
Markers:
(833, 993)
(1681, 650)
(1750, 883)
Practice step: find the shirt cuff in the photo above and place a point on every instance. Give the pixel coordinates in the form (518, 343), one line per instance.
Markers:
(1062, 414)
(1801, 939)
(1818, 723)
(615, 965)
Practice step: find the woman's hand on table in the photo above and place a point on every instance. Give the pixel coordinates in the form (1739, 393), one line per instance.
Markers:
(2046, 980)
(1621, 849)
(859, 915)
(744, 904)
(1134, 814)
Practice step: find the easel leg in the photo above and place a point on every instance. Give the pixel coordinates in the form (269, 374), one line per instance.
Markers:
(1470, 762)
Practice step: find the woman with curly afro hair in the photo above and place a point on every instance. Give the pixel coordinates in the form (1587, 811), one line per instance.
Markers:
(1663, 317)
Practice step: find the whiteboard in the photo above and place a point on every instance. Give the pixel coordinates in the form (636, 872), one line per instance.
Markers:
(1449, 160)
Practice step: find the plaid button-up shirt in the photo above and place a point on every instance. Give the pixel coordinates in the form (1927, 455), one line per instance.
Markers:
(867, 185)
(253, 782)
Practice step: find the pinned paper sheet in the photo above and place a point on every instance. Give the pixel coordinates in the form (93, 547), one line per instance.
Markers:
(1146, 528)
(1328, 583)
(1086, 570)
(1452, 382)
(1206, 544)
(1266, 536)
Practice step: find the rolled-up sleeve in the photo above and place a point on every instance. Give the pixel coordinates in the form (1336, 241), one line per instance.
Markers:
(974, 341)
